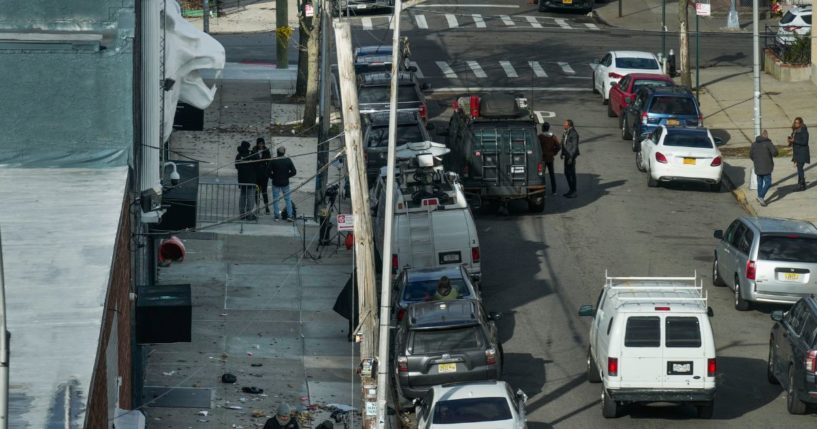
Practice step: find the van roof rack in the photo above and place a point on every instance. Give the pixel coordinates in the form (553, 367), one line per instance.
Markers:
(658, 290)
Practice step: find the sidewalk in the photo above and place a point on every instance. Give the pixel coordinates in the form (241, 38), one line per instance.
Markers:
(645, 15)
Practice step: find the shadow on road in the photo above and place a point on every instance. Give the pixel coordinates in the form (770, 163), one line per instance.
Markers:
(525, 371)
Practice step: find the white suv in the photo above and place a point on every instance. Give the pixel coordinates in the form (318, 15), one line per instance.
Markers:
(651, 341)
(486, 404)
(795, 23)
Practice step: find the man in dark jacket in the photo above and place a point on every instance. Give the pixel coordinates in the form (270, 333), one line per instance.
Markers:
(550, 147)
(280, 170)
(283, 419)
(570, 151)
(262, 166)
(798, 140)
(246, 181)
(762, 154)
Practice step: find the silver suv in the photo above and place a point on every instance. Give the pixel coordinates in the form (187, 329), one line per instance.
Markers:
(766, 260)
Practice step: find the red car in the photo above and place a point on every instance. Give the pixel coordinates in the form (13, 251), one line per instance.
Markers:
(622, 93)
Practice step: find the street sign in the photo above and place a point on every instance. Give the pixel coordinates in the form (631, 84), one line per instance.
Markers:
(346, 222)
(703, 9)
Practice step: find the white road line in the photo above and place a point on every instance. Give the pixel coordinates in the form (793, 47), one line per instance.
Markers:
(507, 20)
(563, 23)
(477, 69)
(537, 69)
(391, 22)
(468, 5)
(509, 70)
(478, 21)
(591, 26)
(367, 23)
(421, 21)
(456, 89)
(446, 69)
(418, 73)
(452, 20)
(566, 68)
(533, 22)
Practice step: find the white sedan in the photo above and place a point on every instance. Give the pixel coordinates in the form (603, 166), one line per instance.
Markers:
(617, 64)
(476, 405)
(681, 154)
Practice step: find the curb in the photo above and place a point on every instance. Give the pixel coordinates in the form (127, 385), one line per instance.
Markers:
(740, 196)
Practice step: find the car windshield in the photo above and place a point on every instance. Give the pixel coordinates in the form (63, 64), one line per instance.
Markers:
(667, 105)
(636, 63)
(380, 94)
(406, 133)
(791, 248)
(424, 290)
(649, 82)
(446, 340)
(471, 410)
(700, 141)
(787, 18)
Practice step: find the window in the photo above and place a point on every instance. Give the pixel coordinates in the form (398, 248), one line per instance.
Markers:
(637, 63)
(424, 289)
(809, 327)
(607, 60)
(787, 248)
(673, 105)
(727, 236)
(745, 241)
(642, 332)
(794, 319)
(380, 94)
(807, 19)
(649, 82)
(697, 140)
(682, 332)
(624, 83)
(471, 410)
(406, 133)
(737, 235)
(447, 340)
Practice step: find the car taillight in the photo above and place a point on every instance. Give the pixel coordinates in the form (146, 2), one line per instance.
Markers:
(660, 157)
(614, 75)
(644, 118)
(474, 103)
(716, 162)
(475, 254)
(423, 111)
(402, 364)
(612, 367)
(490, 357)
(751, 270)
(401, 313)
(700, 120)
(394, 263)
(811, 362)
(711, 367)
(540, 169)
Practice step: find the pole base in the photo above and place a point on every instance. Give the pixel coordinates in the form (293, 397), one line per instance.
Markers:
(732, 20)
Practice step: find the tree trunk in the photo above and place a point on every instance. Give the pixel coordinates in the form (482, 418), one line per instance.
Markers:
(683, 50)
(303, 39)
(313, 50)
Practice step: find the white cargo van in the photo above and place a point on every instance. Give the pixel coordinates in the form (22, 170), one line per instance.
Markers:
(651, 341)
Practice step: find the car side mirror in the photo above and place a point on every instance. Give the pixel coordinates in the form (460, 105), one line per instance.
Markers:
(492, 315)
(718, 141)
(710, 312)
(430, 126)
(718, 234)
(425, 86)
(586, 310)
(777, 315)
(521, 396)
(417, 402)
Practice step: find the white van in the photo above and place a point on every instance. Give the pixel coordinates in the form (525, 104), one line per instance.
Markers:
(651, 341)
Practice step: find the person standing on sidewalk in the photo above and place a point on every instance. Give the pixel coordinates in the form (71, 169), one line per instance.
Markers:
(570, 151)
(762, 154)
(550, 148)
(246, 181)
(261, 168)
(282, 419)
(281, 169)
(798, 140)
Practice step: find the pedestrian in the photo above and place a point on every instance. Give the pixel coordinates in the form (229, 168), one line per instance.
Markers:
(282, 418)
(798, 140)
(246, 181)
(570, 151)
(444, 290)
(281, 169)
(550, 148)
(762, 154)
(262, 166)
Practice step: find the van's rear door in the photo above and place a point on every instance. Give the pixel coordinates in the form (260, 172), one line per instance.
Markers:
(641, 364)
(685, 360)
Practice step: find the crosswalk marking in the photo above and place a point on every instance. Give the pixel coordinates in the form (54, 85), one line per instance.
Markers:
(418, 73)
(509, 70)
(421, 21)
(367, 23)
(533, 22)
(566, 68)
(478, 21)
(477, 69)
(506, 20)
(452, 20)
(591, 26)
(446, 69)
(537, 69)
(563, 23)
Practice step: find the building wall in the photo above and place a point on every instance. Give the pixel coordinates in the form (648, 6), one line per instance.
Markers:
(118, 316)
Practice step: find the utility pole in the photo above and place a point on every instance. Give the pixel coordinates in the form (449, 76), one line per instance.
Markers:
(756, 65)
(697, 57)
(732, 19)
(4, 349)
(312, 48)
(282, 33)
(683, 49)
(205, 15)
(325, 105)
(364, 253)
(664, 30)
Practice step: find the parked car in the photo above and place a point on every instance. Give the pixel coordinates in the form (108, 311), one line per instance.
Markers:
(373, 93)
(651, 341)
(766, 260)
(379, 58)
(795, 23)
(672, 154)
(654, 106)
(420, 285)
(623, 92)
(793, 354)
(410, 129)
(485, 404)
(445, 342)
(585, 6)
(616, 64)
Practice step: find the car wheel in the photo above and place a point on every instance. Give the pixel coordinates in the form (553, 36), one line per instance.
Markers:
(609, 407)
(625, 130)
(793, 404)
(536, 204)
(717, 280)
(705, 411)
(639, 162)
(740, 303)
(593, 375)
(770, 366)
(610, 112)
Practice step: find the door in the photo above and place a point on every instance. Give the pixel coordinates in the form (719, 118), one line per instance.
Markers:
(792, 326)
(600, 73)
(648, 148)
(685, 359)
(742, 248)
(641, 363)
(723, 251)
(729, 267)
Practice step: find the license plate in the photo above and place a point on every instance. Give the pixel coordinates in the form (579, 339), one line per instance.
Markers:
(681, 367)
(672, 122)
(517, 169)
(450, 257)
(446, 367)
(567, 1)
(689, 161)
(791, 277)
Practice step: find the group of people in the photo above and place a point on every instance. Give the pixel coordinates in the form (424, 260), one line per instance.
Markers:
(763, 152)
(256, 167)
(567, 148)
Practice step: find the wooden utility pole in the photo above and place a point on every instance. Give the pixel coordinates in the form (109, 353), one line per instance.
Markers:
(683, 50)
(312, 49)
(364, 249)
(282, 34)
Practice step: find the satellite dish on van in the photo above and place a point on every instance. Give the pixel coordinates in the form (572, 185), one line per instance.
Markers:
(411, 150)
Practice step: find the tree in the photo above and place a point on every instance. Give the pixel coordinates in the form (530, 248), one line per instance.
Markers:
(683, 50)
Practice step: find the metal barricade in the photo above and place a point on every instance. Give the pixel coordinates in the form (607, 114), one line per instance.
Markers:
(220, 202)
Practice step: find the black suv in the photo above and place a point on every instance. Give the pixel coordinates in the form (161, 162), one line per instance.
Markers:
(410, 129)
(793, 354)
(445, 342)
(379, 58)
(673, 106)
(373, 93)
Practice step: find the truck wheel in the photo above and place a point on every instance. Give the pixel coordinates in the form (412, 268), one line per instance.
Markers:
(536, 204)
(609, 407)
(705, 411)
(593, 375)
(793, 404)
